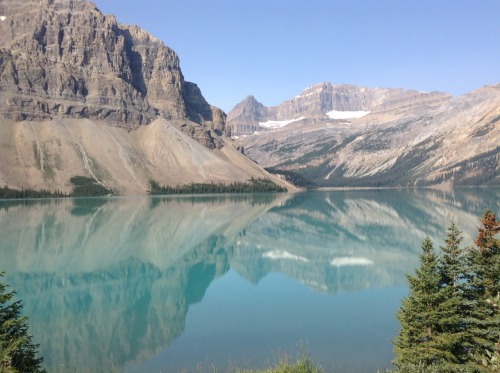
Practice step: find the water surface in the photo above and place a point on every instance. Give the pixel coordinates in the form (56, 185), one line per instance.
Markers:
(150, 284)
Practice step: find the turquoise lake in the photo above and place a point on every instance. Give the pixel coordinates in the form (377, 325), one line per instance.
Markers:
(170, 284)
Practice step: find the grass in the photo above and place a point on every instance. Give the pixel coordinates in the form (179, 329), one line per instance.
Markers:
(306, 365)
(302, 365)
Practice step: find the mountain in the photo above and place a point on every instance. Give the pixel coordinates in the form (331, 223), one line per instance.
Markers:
(81, 94)
(323, 101)
(344, 135)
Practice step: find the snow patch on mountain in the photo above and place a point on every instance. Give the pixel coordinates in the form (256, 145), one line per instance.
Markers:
(335, 114)
(278, 123)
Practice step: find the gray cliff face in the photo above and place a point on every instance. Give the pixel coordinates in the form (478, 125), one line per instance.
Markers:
(315, 102)
(400, 138)
(64, 58)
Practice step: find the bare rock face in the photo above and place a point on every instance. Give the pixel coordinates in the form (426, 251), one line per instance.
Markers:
(64, 58)
(315, 102)
(199, 111)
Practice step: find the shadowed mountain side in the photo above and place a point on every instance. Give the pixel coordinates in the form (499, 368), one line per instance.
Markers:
(62, 58)
(48, 154)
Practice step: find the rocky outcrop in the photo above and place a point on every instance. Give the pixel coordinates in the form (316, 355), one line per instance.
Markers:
(64, 58)
(246, 115)
(315, 102)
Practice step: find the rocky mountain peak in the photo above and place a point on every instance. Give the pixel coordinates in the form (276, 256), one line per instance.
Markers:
(247, 113)
(64, 58)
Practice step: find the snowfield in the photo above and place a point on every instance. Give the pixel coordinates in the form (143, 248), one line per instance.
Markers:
(334, 114)
(278, 123)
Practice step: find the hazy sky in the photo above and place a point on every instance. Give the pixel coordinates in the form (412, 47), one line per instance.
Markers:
(274, 49)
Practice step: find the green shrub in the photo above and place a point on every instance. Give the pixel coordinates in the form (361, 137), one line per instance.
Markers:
(88, 187)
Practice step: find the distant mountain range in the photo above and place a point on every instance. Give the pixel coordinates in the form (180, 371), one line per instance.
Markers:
(81, 94)
(344, 135)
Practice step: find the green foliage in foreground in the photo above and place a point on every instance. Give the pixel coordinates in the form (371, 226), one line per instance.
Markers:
(8, 193)
(17, 352)
(88, 187)
(450, 318)
(252, 186)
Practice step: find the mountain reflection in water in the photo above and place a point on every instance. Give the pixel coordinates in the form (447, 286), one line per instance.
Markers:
(108, 282)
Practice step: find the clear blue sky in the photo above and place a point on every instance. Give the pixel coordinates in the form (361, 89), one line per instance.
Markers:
(273, 49)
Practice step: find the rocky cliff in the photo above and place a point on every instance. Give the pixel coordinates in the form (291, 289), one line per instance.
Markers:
(81, 94)
(64, 58)
(355, 136)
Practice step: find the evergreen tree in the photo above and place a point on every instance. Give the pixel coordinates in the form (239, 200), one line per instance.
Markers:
(486, 258)
(451, 262)
(483, 283)
(17, 352)
(428, 318)
(452, 269)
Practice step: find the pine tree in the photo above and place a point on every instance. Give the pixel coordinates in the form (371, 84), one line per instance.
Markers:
(452, 269)
(451, 262)
(483, 283)
(428, 318)
(486, 258)
(17, 352)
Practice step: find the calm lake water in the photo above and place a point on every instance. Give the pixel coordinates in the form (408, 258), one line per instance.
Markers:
(167, 284)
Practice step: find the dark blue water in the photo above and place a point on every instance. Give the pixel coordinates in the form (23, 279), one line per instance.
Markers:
(150, 284)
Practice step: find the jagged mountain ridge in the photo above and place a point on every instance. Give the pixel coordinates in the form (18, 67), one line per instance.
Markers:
(81, 94)
(384, 138)
(316, 101)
